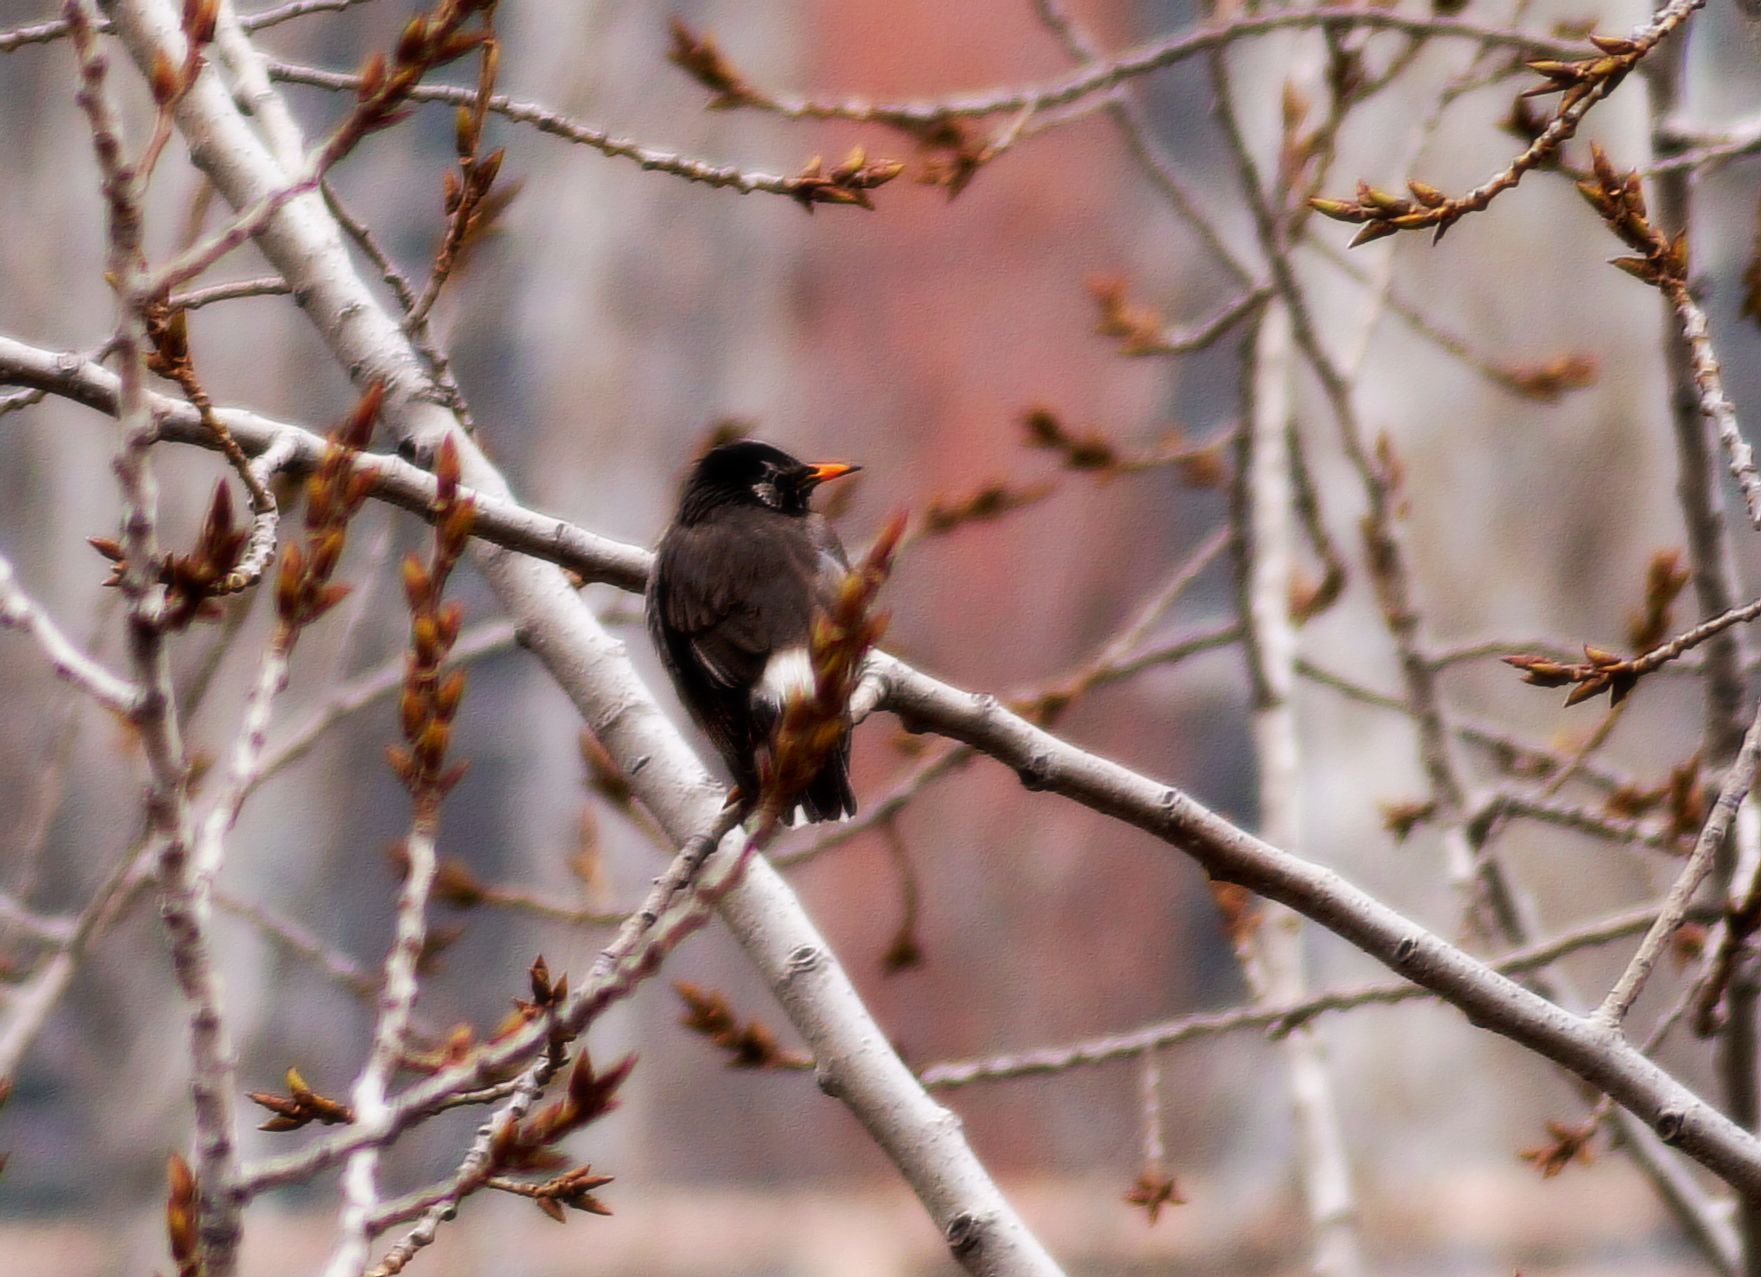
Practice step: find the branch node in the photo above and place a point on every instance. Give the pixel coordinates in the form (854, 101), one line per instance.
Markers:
(965, 1233)
(804, 959)
(1670, 1124)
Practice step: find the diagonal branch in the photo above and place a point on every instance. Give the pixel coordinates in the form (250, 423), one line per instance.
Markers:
(1707, 848)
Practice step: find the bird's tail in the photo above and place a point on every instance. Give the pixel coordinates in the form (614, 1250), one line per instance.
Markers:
(828, 796)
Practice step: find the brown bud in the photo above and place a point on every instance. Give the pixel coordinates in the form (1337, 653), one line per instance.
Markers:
(418, 587)
(180, 1210)
(448, 620)
(1427, 194)
(1338, 210)
(455, 529)
(1373, 231)
(412, 42)
(412, 714)
(425, 639)
(402, 766)
(199, 20)
(372, 77)
(464, 132)
(288, 584)
(446, 472)
(358, 428)
(448, 694)
(431, 745)
(164, 80)
(488, 167)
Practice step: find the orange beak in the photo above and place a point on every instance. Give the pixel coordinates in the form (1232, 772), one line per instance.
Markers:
(830, 470)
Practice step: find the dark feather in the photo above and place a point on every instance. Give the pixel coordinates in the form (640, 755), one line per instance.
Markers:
(735, 581)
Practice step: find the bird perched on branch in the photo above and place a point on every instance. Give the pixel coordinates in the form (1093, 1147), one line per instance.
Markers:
(740, 573)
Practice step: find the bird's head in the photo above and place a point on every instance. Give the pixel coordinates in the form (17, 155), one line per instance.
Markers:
(747, 472)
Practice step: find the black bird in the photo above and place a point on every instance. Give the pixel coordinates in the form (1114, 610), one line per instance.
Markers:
(738, 577)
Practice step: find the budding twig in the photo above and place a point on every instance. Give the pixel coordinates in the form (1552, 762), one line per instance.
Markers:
(847, 184)
(429, 702)
(1583, 83)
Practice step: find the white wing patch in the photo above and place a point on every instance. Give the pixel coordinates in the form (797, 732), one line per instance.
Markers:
(787, 673)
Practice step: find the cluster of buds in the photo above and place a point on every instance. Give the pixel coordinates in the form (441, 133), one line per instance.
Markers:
(192, 581)
(1565, 1144)
(1573, 81)
(848, 182)
(1138, 327)
(430, 698)
(182, 1214)
(748, 1046)
(547, 999)
(571, 1190)
(589, 1096)
(460, 1042)
(1383, 213)
(468, 196)
(987, 501)
(1090, 451)
(950, 153)
(1153, 1190)
(813, 727)
(427, 41)
(1619, 200)
(1580, 85)
(1600, 671)
(168, 332)
(335, 490)
(1604, 671)
(470, 207)
(1199, 466)
(699, 57)
(301, 1106)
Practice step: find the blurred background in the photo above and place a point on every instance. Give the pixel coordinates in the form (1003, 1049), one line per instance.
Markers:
(615, 317)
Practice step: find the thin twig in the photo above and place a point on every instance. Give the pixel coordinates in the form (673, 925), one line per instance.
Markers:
(1276, 1019)
(1106, 73)
(1737, 784)
(19, 612)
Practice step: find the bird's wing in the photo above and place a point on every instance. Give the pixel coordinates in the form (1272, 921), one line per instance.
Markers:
(735, 592)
